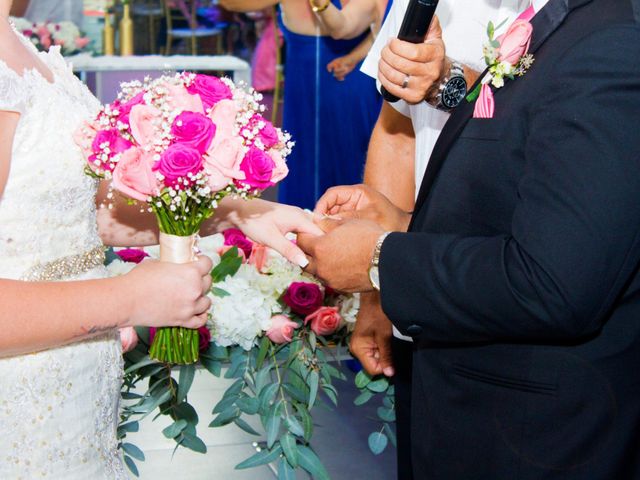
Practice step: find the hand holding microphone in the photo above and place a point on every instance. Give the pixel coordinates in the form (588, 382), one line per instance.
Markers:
(412, 65)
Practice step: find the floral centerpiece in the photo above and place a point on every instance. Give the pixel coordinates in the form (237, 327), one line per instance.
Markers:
(271, 324)
(178, 145)
(44, 35)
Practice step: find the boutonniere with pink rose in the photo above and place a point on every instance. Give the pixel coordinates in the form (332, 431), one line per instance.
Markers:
(507, 57)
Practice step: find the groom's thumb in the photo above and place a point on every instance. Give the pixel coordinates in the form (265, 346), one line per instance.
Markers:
(386, 361)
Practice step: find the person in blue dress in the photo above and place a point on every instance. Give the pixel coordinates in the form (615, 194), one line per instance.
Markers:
(330, 107)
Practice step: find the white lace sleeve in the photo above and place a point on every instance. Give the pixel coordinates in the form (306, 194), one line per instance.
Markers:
(13, 92)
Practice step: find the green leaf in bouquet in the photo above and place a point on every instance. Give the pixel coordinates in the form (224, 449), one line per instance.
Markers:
(294, 426)
(132, 450)
(193, 442)
(307, 421)
(262, 378)
(218, 352)
(285, 471)
(387, 414)
(391, 434)
(248, 405)
(225, 403)
(334, 372)
(313, 343)
(379, 385)
(312, 381)
(175, 429)
(226, 417)
(274, 418)
(311, 463)
(219, 292)
(185, 411)
(143, 363)
(267, 395)
(234, 389)
(131, 465)
(131, 396)
(185, 380)
(129, 427)
(378, 442)
(297, 394)
(362, 379)
(265, 343)
(331, 392)
(363, 398)
(290, 449)
(230, 263)
(212, 365)
(245, 426)
(261, 458)
(151, 403)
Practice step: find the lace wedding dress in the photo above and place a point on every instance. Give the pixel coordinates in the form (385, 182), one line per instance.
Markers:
(59, 407)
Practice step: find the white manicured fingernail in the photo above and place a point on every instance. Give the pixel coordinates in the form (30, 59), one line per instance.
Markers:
(302, 262)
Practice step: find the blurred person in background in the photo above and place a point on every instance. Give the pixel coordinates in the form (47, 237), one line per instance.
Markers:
(329, 109)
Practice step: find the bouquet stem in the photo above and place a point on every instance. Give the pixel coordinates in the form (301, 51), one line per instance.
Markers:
(178, 345)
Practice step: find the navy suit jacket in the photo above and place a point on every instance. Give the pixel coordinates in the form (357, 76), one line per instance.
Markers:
(519, 279)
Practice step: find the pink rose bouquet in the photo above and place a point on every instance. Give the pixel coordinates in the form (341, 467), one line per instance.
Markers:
(44, 35)
(178, 145)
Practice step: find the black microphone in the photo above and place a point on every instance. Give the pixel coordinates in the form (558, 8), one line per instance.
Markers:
(414, 28)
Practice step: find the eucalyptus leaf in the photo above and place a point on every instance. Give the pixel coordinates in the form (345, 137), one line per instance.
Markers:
(387, 414)
(290, 449)
(312, 381)
(307, 421)
(261, 458)
(219, 292)
(248, 405)
(129, 427)
(185, 411)
(133, 451)
(225, 417)
(391, 434)
(267, 395)
(262, 378)
(185, 380)
(294, 426)
(378, 442)
(311, 463)
(131, 465)
(273, 424)
(379, 385)
(265, 343)
(212, 365)
(331, 392)
(143, 363)
(363, 398)
(245, 426)
(285, 471)
(313, 342)
(295, 393)
(362, 379)
(175, 429)
(193, 443)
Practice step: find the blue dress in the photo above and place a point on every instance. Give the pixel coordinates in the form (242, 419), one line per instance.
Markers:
(330, 120)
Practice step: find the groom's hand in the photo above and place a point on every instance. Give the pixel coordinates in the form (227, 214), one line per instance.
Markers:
(371, 340)
(363, 202)
(342, 256)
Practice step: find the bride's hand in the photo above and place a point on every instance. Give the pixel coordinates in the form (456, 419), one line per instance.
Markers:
(168, 294)
(268, 223)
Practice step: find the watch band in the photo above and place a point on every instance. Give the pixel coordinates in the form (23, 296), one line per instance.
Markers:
(375, 259)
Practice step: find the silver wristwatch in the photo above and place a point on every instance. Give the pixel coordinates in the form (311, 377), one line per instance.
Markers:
(374, 272)
(452, 89)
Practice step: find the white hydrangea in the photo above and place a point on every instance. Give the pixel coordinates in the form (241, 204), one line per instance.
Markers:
(117, 267)
(349, 305)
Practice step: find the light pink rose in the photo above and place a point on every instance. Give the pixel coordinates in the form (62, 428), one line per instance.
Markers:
(223, 116)
(222, 163)
(128, 338)
(82, 42)
(515, 42)
(178, 161)
(282, 329)
(84, 136)
(258, 168)
(133, 175)
(259, 256)
(193, 129)
(180, 99)
(485, 105)
(211, 90)
(281, 170)
(145, 122)
(324, 321)
(124, 109)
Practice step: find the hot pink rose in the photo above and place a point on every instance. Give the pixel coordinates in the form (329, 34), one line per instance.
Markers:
(258, 168)
(282, 329)
(128, 339)
(324, 321)
(515, 42)
(211, 90)
(124, 109)
(144, 121)
(112, 139)
(194, 130)
(303, 297)
(259, 256)
(178, 161)
(132, 255)
(133, 175)
(235, 237)
(268, 133)
(180, 99)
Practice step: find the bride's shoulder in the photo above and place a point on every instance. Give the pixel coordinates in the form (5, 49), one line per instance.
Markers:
(13, 90)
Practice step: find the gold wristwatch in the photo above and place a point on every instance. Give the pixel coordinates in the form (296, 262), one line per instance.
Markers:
(374, 273)
(317, 9)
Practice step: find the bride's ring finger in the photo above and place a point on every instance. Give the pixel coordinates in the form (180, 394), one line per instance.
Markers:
(405, 81)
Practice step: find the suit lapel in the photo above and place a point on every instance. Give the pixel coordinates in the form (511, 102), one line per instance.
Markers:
(544, 23)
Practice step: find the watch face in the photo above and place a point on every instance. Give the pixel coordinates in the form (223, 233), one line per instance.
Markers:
(374, 277)
(454, 92)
